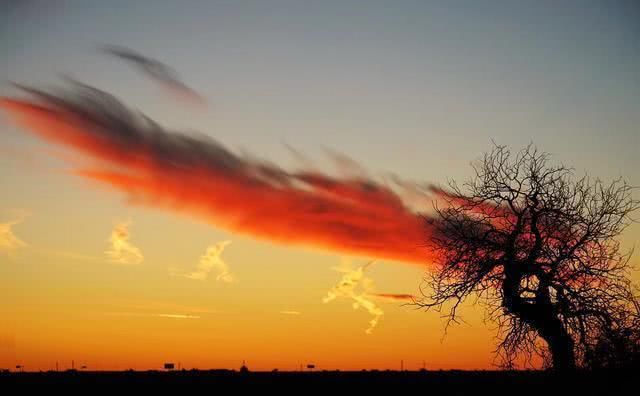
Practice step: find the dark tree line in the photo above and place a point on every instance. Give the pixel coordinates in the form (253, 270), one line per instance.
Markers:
(539, 248)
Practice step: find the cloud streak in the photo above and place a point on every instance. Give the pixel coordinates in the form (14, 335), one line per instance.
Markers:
(295, 313)
(122, 251)
(350, 285)
(395, 297)
(70, 255)
(166, 306)
(158, 315)
(178, 316)
(196, 175)
(157, 71)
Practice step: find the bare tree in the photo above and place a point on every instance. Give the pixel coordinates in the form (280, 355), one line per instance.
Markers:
(538, 247)
(617, 347)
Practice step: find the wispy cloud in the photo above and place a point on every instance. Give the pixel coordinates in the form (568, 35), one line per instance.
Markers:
(178, 316)
(122, 251)
(9, 242)
(212, 261)
(355, 286)
(160, 306)
(194, 174)
(157, 71)
(290, 312)
(394, 297)
(69, 255)
(157, 315)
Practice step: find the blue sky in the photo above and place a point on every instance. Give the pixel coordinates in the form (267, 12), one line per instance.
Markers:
(401, 86)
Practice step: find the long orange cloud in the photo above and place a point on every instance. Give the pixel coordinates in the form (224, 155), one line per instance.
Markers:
(196, 175)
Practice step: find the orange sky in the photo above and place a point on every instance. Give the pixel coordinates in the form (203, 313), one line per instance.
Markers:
(154, 286)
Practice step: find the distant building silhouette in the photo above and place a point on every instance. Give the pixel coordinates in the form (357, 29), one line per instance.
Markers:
(244, 369)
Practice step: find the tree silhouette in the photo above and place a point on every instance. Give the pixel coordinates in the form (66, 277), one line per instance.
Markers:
(538, 248)
(617, 347)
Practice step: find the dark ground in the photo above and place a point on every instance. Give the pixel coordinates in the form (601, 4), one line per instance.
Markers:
(426, 382)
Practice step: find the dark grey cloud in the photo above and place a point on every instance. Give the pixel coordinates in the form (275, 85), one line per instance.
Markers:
(156, 70)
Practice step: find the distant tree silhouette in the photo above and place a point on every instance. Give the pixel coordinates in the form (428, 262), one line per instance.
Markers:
(538, 248)
(617, 347)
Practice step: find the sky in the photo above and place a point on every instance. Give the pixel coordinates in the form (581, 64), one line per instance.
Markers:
(415, 89)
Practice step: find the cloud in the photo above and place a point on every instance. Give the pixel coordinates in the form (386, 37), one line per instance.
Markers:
(158, 315)
(157, 71)
(346, 165)
(70, 255)
(290, 312)
(417, 195)
(394, 297)
(122, 251)
(9, 242)
(167, 306)
(196, 175)
(349, 287)
(178, 316)
(210, 261)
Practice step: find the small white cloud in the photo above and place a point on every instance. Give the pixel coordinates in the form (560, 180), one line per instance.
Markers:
(211, 261)
(352, 281)
(122, 251)
(9, 242)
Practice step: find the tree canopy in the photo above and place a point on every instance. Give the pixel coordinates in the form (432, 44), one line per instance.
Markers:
(539, 248)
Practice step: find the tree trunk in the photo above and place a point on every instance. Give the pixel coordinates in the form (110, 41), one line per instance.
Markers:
(542, 316)
(560, 345)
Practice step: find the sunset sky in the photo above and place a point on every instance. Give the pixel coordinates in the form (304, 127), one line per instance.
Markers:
(208, 266)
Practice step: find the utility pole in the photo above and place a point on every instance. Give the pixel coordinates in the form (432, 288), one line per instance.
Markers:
(401, 365)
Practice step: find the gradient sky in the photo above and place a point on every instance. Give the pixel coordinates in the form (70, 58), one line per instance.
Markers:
(416, 88)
